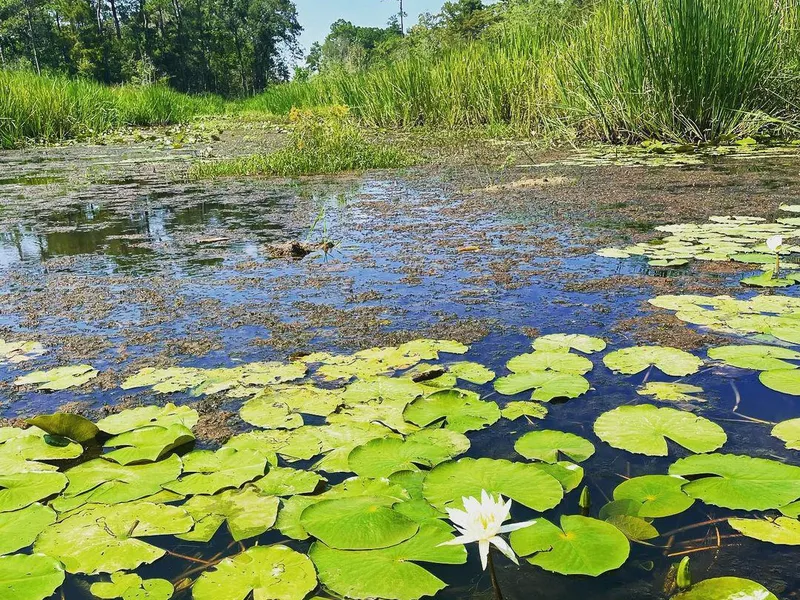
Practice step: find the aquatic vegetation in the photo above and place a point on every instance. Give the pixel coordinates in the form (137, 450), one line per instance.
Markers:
(131, 586)
(670, 361)
(671, 391)
(60, 378)
(781, 530)
(726, 588)
(17, 352)
(546, 445)
(789, 432)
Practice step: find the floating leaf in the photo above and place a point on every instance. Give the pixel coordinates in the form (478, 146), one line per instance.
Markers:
(461, 411)
(758, 357)
(768, 280)
(147, 444)
(19, 529)
(789, 432)
(74, 427)
(669, 361)
(389, 573)
(107, 536)
(399, 389)
(560, 362)
(634, 528)
(265, 571)
(739, 482)
(726, 588)
(471, 371)
(135, 418)
(30, 444)
(305, 399)
(515, 410)
(545, 445)
(427, 448)
(527, 484)
(429, 349)
(677, 392)
(582, 546)
(265, 411)
(548, 385)
(655, 495)
(283, 481)
(207, 472)
(130, 586)
(29, 577)
(561, 342)
(785, 381)
(19, 490)
(644, 429)
(247, 512)
(60, 378)
(781, 530)
(17, 352)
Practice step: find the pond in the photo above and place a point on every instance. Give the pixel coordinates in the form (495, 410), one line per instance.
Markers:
(109, 258)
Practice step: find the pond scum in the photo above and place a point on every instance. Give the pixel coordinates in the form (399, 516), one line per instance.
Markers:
(355, 460)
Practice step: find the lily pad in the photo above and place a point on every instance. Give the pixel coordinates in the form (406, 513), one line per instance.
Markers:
(789, 432)
(471, 371)
(726, 588)
(655, 495)
(31, 444)
(581, 546)
(739, 482)
(147, 444)
(562, 342)
(267, 412)
(130, 586)
(515, 410)
(284, 481)
(644, 429)
(785, 381)
(265, 571)
(560, 362)
(19, 529)
(461, 411)
(17, 352)
(768, 280)
(547, 385)
(208, 472)
(782, 530)
(527, 484)
(546, 445)
(392, 572)
(135, 418)
(757, 357)
(672, 392)
(247, 512)
(19, 490)
(74, 427)
(635, 528)
(669, 361)
(29, 577)
(60, 378)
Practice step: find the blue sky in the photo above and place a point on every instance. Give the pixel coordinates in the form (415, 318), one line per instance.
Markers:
(316, 16)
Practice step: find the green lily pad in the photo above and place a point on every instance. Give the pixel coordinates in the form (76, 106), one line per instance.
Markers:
(130, 586)
(60, 378)
(426, 448)
(429, 349)
(147, 444)
(398, 389)
(17, 352)
(392, 572)
(135, 418)
(527, 484)
(655, 495)
(785, 381)
(547, 385)
(471, 371)
(581, 546)
(265, 411)
(74, 427)
(265, 571)
(461, 411)
(768, 280)
(208, 472)
(104, 482)
(634, 528)
(284, 481)
(726, 588)
(644, 429)
(612, 253)
(757, 357)
(789, 432)
(247, 512)
(562, 342)
(29, 577)
(19, 445)
(108, 535)
(546, 445)
(560, 362)
(384, 411)
(672, 392)
(782, 530)
(358, 523)
(19, 529)
(739, 482)
(669, 361)
(515, 410)
(19, 490)
(305, 399)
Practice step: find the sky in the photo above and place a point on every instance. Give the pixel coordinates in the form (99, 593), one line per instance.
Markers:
(316, 16)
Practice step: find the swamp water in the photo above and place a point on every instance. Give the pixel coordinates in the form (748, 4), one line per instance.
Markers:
(108, 260)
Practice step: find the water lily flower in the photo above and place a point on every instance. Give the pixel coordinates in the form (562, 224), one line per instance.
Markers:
(774, 243)
(482, 522)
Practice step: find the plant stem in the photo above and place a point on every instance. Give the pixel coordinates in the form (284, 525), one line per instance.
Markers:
(498, 595)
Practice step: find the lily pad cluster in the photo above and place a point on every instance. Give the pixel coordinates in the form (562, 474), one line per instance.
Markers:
(19, 352)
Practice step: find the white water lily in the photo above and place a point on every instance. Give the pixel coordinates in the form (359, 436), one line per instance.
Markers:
(482, 522)
(774, 243)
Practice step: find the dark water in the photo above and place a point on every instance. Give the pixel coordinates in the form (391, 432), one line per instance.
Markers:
(137, 268)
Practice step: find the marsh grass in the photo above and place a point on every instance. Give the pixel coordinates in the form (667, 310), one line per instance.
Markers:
(322, 141)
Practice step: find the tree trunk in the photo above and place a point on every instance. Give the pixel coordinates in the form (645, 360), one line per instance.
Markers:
(116, 18)
(33, 38)
(99, 14)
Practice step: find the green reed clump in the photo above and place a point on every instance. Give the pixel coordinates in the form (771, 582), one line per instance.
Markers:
(322, 141)
(51, 108)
